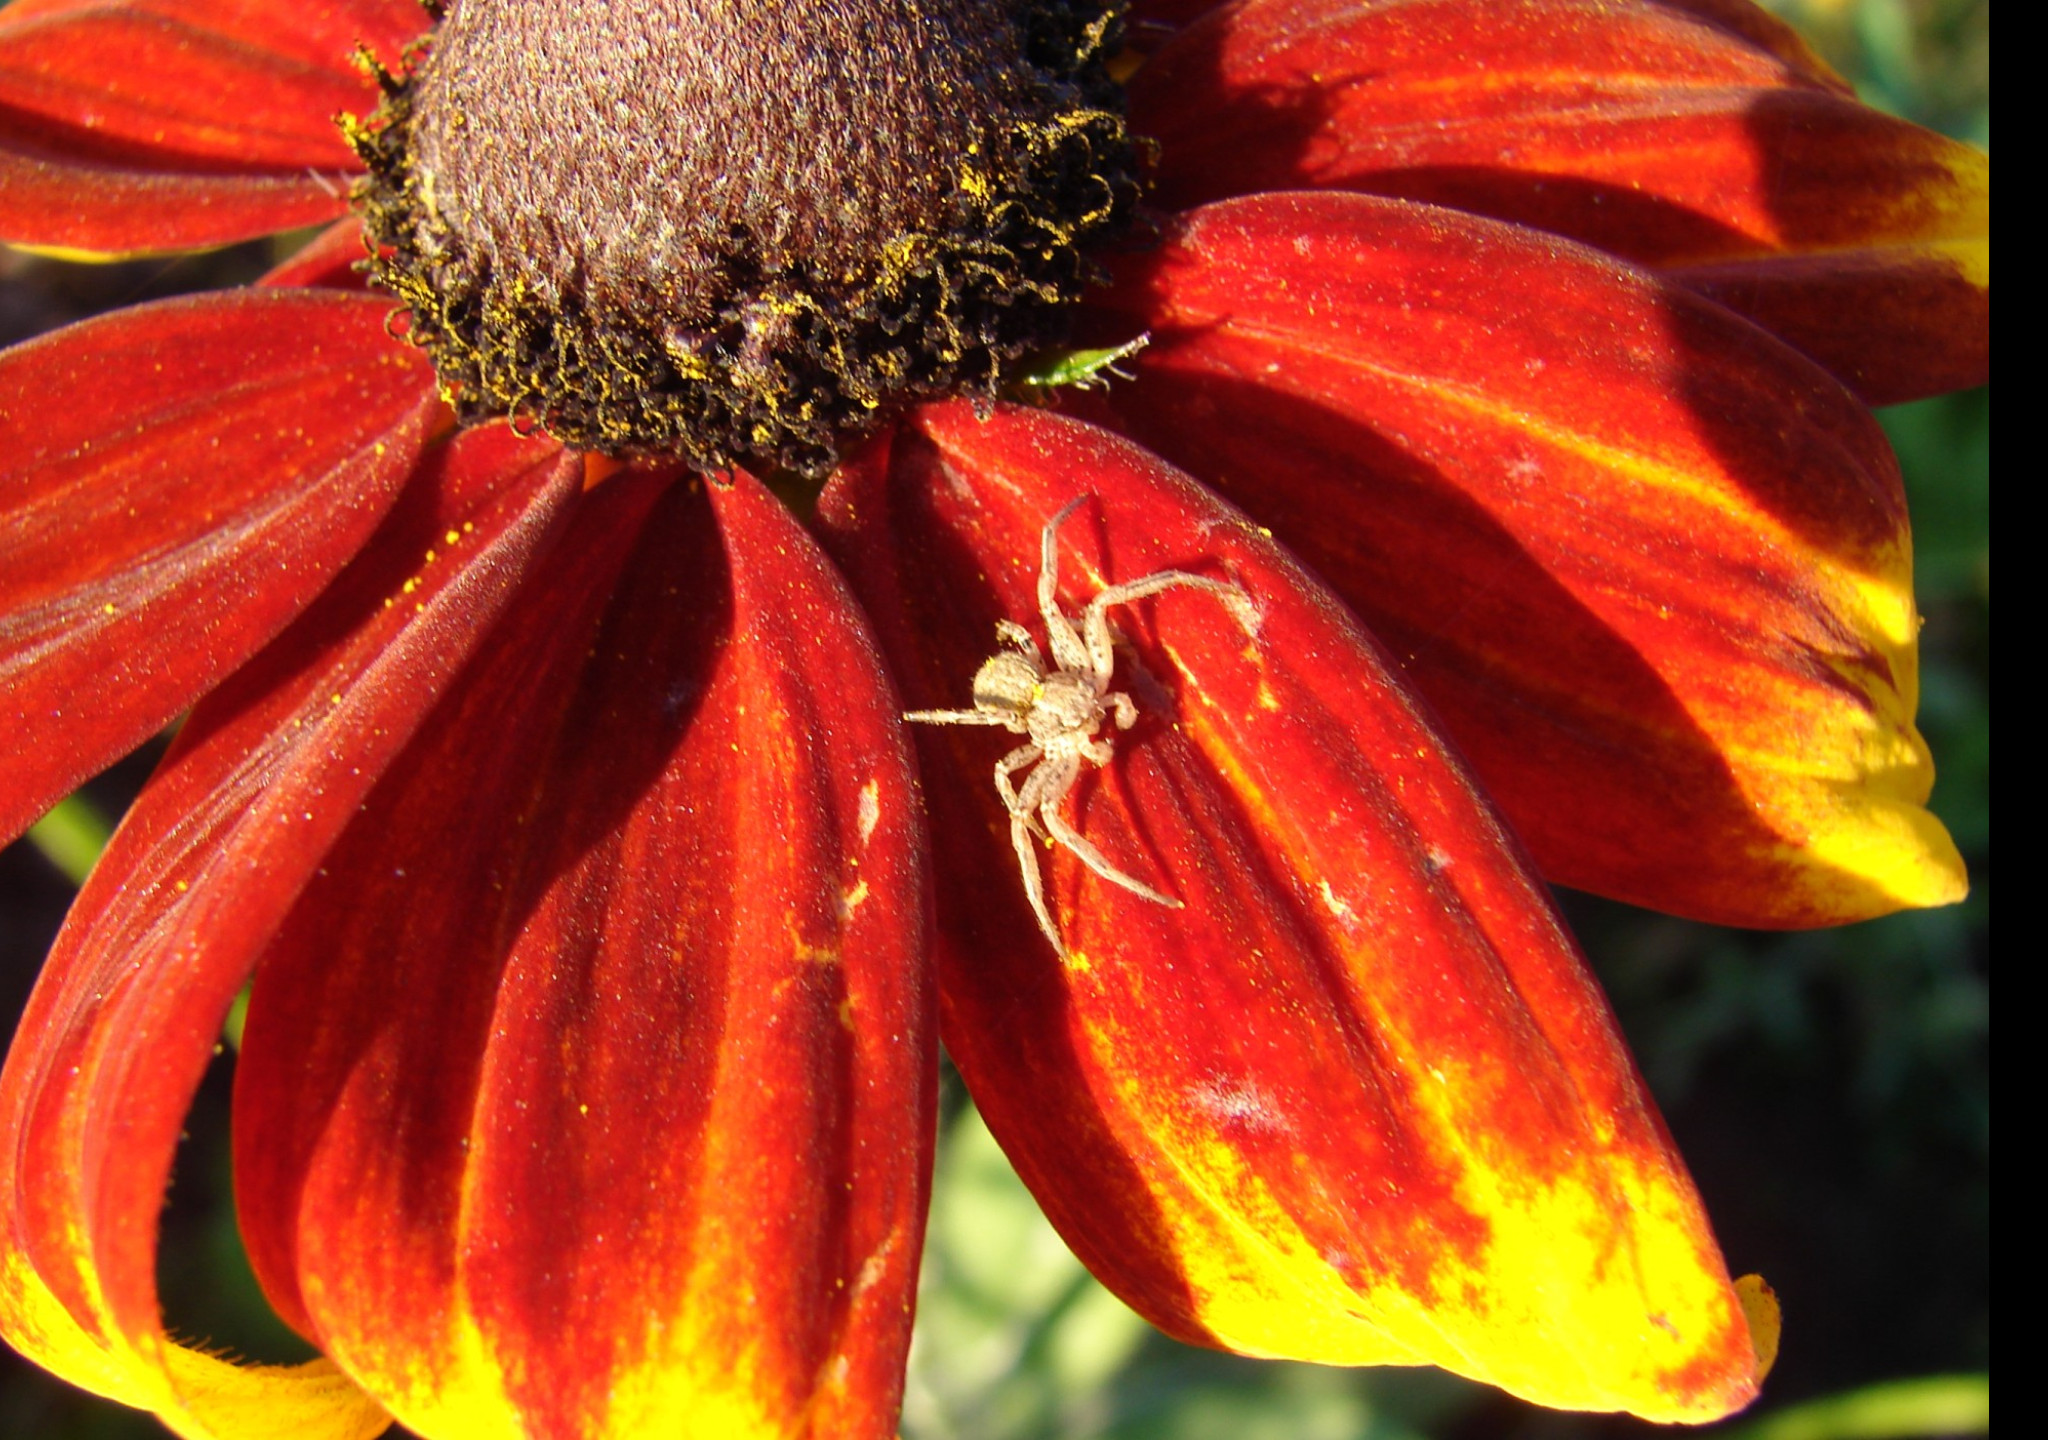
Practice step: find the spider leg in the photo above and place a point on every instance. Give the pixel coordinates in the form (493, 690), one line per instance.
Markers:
(1095, 619)
(1067, 650)
(1049, 556)
(1034, 883)
(1009, 632)
(1126, 711)
(956, 717)
(1044, 788)
(1162, 580)
(1095, 860)
(1016, 760)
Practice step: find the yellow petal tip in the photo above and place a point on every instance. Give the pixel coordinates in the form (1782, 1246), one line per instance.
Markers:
(1890, 855)
(1760, 1308)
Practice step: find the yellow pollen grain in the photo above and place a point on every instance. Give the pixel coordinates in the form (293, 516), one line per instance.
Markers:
(807, 951)
(850, 900)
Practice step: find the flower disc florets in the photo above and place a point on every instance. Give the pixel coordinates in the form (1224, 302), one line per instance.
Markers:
(742, 229)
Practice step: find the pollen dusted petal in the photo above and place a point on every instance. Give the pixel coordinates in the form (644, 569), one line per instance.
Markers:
(1739, 167)
(236, 451)
(1359, 1100)
(1650, 567)
(128, 1011)
(130, 127)
(590, 1089)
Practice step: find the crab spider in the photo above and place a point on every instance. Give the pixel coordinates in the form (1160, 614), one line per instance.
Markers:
(1061, 709)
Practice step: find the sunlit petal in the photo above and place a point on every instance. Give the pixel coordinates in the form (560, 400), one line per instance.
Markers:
(130, 127)
(235, 452)
(589, 1091)
(128, 1011)
(1644, 129)
(1650, 567)
(1358, 1100)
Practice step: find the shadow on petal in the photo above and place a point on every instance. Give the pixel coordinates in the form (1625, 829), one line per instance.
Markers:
(1724, 156)
(590, 1088)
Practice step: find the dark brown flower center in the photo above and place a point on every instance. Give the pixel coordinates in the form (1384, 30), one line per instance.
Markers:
(738, 230)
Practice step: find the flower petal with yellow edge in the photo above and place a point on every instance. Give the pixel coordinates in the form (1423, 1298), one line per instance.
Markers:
(1357, 1100)
(128, 1012)
(1650, 567)
(646, 1150)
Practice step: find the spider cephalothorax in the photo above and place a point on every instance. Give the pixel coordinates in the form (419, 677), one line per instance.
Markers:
(1062, 710)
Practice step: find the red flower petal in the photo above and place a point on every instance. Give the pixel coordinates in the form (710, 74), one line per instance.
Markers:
(329, 261)
(128, 1011)
(1641, 129)
(132, 127)
(1651, 568)
(589, 1091)
(176, 483)
(1358, 1101)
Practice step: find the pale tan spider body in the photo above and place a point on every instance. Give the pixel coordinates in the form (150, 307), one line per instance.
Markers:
(1062, 711)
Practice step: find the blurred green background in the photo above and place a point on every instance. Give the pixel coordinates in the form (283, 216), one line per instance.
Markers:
(1830, 1090)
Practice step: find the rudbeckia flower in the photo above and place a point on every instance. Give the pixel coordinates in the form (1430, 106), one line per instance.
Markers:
(547, 603)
